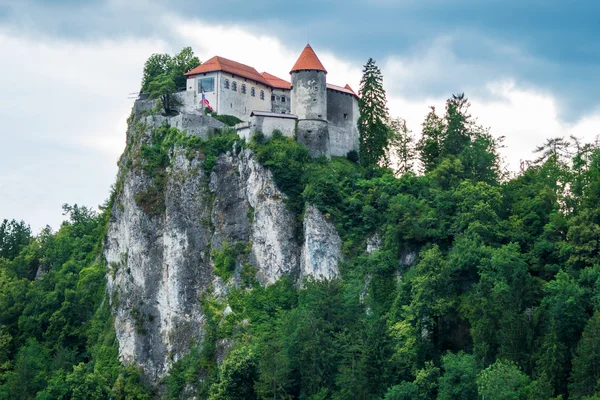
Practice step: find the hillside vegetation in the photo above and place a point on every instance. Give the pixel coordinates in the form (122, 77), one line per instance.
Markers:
(502, 300)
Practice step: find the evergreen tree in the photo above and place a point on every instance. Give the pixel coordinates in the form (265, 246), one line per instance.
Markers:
(586, 362)
(401, 146)
(372, 123)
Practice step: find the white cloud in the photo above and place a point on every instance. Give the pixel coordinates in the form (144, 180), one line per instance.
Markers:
(62, 112)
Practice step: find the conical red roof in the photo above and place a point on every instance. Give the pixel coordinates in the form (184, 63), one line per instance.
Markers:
(308, 60)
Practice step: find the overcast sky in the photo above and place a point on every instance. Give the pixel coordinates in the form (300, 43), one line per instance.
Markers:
(530, 68)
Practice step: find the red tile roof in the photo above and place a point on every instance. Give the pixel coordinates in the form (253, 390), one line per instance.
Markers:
(276, 82)
(346, 89)
(223, 64)
(308, 60)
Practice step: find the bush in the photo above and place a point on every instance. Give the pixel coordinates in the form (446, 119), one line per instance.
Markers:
(352, 156)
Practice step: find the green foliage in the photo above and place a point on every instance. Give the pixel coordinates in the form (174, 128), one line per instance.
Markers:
(458, 381)
(586, 362)
(503, 381)
(57, 338)
(236, 376)
(225, 259)
(155, 157)
(164, 75)
(229, 120)
(474, 285)
(373, 119)
(13, 237)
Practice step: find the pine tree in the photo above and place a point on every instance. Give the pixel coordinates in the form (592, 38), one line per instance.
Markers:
(372, 123)
(402, 146)
(586, 362)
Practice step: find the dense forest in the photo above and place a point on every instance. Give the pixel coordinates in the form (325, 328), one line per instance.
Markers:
(479, 284)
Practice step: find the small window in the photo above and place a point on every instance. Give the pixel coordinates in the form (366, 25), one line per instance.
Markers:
(283, 99)
(243, 89)
(272, 97)
(262, 94)
(253, 92)
(234, 86)
(345, 116)
(226, 84)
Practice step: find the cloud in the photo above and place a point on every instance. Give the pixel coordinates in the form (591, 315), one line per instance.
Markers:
(63, 109)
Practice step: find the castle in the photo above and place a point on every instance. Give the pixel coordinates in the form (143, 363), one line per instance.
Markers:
(320, 115)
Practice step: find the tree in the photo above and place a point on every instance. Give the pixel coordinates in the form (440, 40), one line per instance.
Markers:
(459, 381)
(372, 123)
(401, 146)
(164, 75)
(586, 362)
(13, 237)
(237, 375)
(430, 144)
(502, 381)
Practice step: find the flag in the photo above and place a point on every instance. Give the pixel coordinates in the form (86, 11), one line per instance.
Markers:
(206, 103)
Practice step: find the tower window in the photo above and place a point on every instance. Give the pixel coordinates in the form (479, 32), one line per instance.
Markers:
(262, 94)
(226, 84)
(345, 116)
(283, 99)
(234, 86)
(272, 97)
(243, 89)
(253, 92)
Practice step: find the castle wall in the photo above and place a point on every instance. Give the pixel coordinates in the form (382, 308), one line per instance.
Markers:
(309, 94)
(234, 102)
(192, 89)
(278, 105)
(342, 115)
(267, 125)
(314, 134)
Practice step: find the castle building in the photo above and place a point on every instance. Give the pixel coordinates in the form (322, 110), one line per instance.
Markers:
(318, 114)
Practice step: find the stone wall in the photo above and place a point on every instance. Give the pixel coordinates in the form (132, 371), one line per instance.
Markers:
(342, 115)
(309, 95)
(267, 125)
(278, 105)
(314, 134)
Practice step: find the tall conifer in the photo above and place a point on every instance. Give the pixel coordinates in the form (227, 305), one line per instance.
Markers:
(372, 123)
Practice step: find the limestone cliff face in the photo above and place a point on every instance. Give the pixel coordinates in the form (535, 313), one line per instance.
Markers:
(160, 264)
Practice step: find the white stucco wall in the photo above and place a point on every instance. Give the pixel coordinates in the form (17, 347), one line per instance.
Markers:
(236, 103)
(212, 97)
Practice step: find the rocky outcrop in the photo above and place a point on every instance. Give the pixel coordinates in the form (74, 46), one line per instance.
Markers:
(160, 264)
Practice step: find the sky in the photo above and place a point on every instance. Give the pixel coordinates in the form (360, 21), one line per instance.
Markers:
(531, 71)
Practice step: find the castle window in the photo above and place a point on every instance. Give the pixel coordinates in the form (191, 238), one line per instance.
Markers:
(206, 85)
(345, 116)
(272, 97)
(234, 86)
(253, 92)
(283, 99)
(226, 84)
(243, 89)
(262, 94)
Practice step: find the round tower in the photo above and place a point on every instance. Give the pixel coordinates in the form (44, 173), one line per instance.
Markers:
(309, 101)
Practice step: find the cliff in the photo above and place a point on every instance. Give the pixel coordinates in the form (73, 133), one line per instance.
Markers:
(188, 224)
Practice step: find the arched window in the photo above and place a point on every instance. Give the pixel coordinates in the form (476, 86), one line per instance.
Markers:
(262, 94)
(226, 84)
(243, 89)
(234, 86)
(253, 92)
